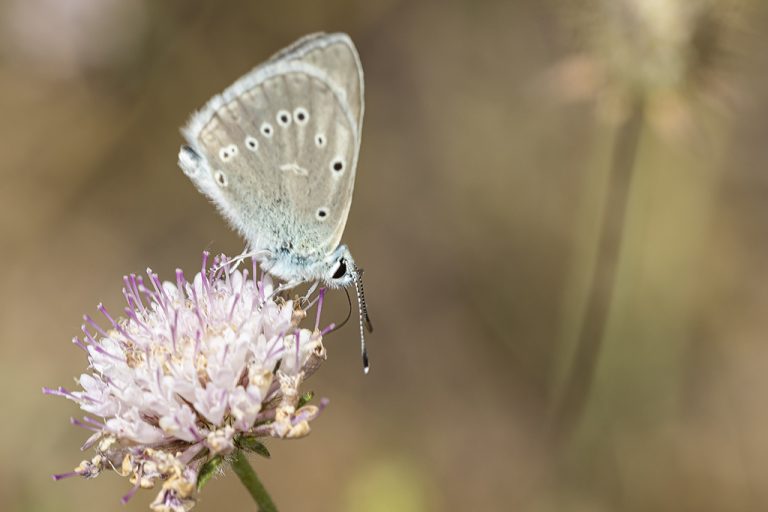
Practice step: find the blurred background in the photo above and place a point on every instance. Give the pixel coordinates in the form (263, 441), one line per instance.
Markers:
(499, 137)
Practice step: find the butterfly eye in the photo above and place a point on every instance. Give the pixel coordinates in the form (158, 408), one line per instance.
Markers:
(322, 214)
(251, 143)
(341, 270)
(220, 178)
(283, 118)
(266, 130)
(337, 165)
(320, 140)
(301, 116)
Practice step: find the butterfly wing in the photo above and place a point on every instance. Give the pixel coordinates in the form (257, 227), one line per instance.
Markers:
(277, 151)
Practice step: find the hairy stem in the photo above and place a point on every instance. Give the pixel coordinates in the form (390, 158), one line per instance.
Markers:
(248, 477)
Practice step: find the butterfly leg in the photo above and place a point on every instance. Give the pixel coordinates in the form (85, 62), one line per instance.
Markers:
(303, 300)
(310, 291)
(283, 287)
(237, 260)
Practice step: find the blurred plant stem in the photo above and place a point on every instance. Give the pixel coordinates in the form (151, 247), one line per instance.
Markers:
(248, 477)
(577, 384)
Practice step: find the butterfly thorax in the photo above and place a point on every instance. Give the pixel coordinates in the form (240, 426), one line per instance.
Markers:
(333, 270)
(289, 266)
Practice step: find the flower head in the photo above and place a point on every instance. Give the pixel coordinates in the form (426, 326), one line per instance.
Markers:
(193, 371)
(672, 54)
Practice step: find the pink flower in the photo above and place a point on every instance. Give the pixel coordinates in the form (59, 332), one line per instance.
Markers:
(193, 370)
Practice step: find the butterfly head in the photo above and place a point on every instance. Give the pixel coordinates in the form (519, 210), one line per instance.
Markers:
(342, 272)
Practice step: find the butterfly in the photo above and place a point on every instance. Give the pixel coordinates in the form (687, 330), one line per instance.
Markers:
(277, 151)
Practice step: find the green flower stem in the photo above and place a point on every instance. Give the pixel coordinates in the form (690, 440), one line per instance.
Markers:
(590, 339)
(248, 477)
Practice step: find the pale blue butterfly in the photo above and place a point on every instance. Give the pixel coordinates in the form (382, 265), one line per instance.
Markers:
(276, 152)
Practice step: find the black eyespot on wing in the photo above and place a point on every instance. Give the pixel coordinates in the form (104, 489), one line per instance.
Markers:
(341, 271)
(191, 153)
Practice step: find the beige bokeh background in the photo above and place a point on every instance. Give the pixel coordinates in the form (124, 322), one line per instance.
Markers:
(478, 192)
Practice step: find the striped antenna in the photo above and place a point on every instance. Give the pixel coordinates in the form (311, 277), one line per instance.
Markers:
(365, 321)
